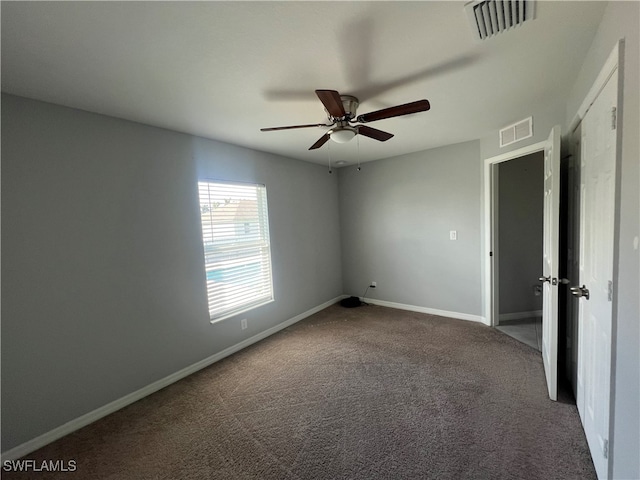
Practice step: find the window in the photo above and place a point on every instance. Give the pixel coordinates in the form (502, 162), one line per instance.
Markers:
(237, 256)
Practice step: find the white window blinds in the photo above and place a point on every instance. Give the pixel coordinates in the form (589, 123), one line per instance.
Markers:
(237, 256)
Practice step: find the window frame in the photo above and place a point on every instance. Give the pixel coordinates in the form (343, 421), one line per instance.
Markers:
(263, 244)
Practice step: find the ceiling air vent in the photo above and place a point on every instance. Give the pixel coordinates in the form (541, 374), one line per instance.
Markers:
(490, 17)
(516, 132)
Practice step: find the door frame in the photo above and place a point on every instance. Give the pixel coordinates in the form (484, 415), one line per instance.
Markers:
(614, 60)
(491, 274)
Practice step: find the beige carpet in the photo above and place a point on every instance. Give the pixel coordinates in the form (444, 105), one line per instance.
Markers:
(363, 393)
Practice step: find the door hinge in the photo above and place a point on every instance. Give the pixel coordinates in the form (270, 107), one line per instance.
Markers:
(610, 291)
(614, 118)
(605, 448)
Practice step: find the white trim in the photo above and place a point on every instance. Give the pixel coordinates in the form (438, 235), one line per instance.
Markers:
(488, 280)
(520, 315)
(431, 311)
(608, 68)
(495, 245)
(98, 413)
(520, 152)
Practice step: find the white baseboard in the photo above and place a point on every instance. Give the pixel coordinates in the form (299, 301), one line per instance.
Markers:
(519, 315)
(432, 311)
(84, 420)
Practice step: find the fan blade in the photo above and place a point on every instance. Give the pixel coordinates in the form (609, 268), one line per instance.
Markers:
(323, 139)
(271, 129)
(397, 111)
(332, 102)
(374, 133)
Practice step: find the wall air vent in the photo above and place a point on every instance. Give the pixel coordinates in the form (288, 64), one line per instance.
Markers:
(490, 17)
(516, 132)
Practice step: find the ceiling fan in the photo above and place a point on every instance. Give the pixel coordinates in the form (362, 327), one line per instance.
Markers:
(341, 110)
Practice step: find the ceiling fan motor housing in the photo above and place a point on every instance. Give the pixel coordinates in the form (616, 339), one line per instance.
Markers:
(350, 105)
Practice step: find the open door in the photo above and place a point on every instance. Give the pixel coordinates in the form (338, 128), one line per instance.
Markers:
(551, 228)
(550, 261)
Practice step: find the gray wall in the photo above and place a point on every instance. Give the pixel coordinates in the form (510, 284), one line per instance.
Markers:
(395, 217)
(622, 20)
(545, 116)
(520, 223)
(103, 286)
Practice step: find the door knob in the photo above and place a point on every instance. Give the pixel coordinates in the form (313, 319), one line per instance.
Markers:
(544, 279)
(580, 292)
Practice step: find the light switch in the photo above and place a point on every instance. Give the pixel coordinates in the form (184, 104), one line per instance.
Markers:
(453, 235)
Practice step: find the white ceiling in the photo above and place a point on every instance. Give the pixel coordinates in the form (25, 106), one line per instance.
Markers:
(223, 70)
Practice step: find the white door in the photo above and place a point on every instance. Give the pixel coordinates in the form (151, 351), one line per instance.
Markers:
(597, 206)
(550, 261)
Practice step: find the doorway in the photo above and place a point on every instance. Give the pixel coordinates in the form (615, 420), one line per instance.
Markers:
(519, 191)
(549, 276)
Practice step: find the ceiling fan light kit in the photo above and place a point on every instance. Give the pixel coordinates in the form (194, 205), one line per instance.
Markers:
(342, 134)
(341, 112)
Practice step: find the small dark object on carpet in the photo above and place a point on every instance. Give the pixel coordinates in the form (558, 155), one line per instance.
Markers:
(351, 302)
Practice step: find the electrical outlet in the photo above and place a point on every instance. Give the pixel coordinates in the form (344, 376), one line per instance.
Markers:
(453, 235)
(243, 324)
(373, 284)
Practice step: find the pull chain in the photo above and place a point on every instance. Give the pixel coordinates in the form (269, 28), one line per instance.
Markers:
(329, 154)
(358, 153)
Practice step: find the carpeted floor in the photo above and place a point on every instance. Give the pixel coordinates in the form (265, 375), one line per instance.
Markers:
(362, 393)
